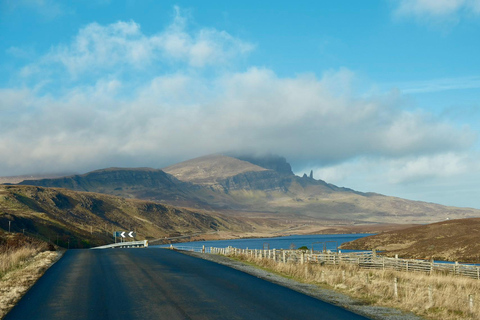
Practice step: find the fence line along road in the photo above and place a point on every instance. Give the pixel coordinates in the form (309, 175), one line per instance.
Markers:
(364, 259)
(131, 244)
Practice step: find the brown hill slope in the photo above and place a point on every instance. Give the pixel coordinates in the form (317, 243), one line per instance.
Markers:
(208, 170)
(138, 183)
(85, 219)
(453, 240)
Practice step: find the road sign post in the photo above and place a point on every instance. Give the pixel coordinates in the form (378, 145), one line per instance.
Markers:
(124, 234)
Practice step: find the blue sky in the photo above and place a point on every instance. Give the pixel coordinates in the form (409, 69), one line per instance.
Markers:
(380, 96)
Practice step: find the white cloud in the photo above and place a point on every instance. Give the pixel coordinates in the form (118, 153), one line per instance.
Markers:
(121, 46)
(445, 165)
(185, 115)
(437, 9)
(404, 170)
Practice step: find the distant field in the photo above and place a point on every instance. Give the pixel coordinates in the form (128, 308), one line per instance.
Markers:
(452, 240)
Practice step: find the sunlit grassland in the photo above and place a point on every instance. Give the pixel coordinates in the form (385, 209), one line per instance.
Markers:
(433, 296)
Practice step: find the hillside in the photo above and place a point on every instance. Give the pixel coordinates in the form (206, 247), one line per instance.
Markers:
(208, 170)
(453, 240)
(80, 219)
(137, 183)
(226, 183)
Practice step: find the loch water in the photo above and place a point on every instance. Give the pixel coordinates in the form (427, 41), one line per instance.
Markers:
(318, 241)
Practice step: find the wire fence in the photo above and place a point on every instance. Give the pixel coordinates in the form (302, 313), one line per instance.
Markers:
(364, 259)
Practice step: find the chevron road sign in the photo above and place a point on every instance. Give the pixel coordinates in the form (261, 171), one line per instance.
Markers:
(124, 234)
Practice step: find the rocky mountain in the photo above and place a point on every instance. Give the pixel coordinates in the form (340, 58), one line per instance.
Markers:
(272, 162)
(452, 240)
(226, 174)
(209, 170)
(139, 183)
(252, 184)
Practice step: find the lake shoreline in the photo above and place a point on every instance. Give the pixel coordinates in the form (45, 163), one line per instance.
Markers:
(312, 230)
(330, 242)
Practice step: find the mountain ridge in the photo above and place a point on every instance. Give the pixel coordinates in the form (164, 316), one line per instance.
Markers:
(207, 170)
(221, 182)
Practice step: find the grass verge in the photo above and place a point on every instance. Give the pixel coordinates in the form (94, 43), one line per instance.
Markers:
(22, 261)
(435, 296)
(11, 259)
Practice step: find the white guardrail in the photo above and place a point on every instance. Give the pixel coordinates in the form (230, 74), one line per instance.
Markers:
(131, 244)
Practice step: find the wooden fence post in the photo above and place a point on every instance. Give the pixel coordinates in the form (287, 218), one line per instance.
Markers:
(470, 302)
(395, 288)
(284, 257)
(430, 296)
(302, 257)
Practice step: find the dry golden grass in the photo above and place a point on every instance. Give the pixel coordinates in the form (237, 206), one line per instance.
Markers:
(452, 240)
(19, 279)
(15, 257)
(433, 296)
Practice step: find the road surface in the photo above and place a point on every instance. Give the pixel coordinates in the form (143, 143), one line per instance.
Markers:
(152, 283)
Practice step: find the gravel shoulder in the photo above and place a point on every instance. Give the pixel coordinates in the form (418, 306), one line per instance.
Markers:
(327, 295)
(17, 282)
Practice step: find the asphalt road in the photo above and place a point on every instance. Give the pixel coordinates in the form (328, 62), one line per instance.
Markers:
(160, 284)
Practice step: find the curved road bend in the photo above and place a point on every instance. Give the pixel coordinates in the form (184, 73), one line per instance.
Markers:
(152, 283)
